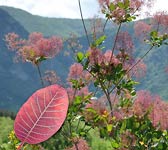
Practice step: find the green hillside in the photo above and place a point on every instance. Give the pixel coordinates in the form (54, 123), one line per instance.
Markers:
(6, 126)
(48, 26)
(156, 79)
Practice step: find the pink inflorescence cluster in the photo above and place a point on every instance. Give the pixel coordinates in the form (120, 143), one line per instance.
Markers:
(35, 47)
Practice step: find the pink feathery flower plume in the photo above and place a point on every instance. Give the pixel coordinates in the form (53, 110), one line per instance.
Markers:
(35, 47)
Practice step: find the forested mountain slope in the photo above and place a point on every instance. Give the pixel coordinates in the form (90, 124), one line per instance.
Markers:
(20, 80)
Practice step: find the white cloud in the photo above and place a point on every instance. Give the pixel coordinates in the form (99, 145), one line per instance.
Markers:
(161, 5)
(55, 8)
(65, 8)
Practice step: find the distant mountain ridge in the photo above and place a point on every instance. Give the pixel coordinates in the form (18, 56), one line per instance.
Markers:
(19, 81)
(10, 79)
(48, 26)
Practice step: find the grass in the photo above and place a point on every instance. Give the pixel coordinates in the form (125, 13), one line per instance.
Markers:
(6, 126)
(95, 142)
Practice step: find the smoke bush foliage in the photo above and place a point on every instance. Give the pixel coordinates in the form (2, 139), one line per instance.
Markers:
(125, 119)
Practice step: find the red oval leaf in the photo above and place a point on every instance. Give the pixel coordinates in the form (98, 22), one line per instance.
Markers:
(42, 115)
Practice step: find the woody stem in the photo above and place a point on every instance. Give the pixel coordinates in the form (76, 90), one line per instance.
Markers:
(39, 72)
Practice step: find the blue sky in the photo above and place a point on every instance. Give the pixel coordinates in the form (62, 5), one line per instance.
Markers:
(66, 8)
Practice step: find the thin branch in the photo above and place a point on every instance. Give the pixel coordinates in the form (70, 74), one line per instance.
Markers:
(139, 60)
(105, 25)
(83, 23)
(107, 93)
(114, 100)
(39, 72)
(115, 41)
(129, 69)
(109, 101)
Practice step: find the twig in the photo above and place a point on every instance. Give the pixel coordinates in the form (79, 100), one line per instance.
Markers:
(41, 79)
(139, 60)
(83, 23)
(115, 41)
(129, 69)
(105, 25)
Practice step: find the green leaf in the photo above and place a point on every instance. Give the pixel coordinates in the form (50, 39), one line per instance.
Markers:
(121, 5)
(133, 92)
(99, 41)
(114, 144)
(112, 7)
(40, 59)
(130, 18)
(127, 3)
(137, 124)
(91, 110)
(78, 100)
(82, 133)
(154, 34)
(109, 127)
(80, 56)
